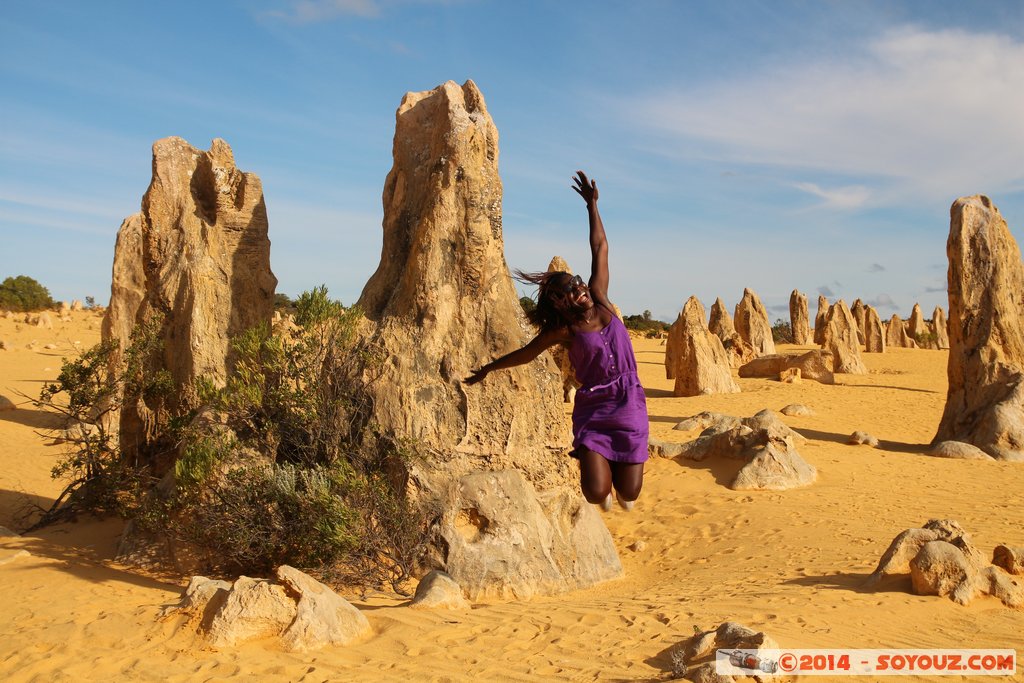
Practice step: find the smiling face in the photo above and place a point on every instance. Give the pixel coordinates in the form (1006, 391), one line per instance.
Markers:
(571, 295)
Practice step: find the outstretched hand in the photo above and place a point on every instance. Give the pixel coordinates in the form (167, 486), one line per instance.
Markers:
(585, 188)
(477, 376)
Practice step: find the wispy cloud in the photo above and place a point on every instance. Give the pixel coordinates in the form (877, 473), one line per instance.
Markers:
(935, 113)
(310, 11)
(825, 290)
(876, 268)
(848, 197)
(883, 302)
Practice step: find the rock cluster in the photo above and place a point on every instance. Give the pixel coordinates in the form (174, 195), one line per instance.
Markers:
(985, 399)
(196, 260)
(763, 441)
(441, 303)
(942, 560)
(721, 324)
(752, 324)
(701, 365)
(302, 613)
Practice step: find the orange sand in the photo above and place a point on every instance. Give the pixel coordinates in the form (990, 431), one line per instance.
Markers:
(789, 563)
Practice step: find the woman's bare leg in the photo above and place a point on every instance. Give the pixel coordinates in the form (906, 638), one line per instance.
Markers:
(595, 476)
(628, 478)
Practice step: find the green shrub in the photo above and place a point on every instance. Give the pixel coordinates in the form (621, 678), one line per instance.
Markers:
(645, 324)
(527, 303)
(22, 293)
(782, 332)
(277, 466)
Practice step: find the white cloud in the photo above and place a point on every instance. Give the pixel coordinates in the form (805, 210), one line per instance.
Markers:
(935, 113)
(308, 11)
(848, 197)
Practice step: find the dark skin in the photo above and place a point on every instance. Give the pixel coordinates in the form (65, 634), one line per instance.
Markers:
(589, 309)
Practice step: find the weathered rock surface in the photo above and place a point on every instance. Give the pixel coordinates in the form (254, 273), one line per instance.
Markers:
(302, 613)
(860, 438)
(819, 320)
(438, 590)
(940, 327)
(841, 341)
(896, 334)
(503, 539)
(702, 366)
(797, 409)
(798, 320)
(196, 259)
(738, 351)
(752, 324)
(859, 313)
(896, 559)
(1010, 559)
(985, 399)
(813, 365)
(763, 440)
(917, 328)
(441, 303)
(874, 333)
(940, 568)
(958, 450)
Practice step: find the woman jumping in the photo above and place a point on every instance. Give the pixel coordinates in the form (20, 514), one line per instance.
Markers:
(609, 417)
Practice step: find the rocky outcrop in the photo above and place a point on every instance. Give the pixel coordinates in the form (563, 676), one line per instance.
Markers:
(896, 334)
(841, 342)
(813, 365)
(702, 366)
(874, 332)
(195, 262)
(296, 609)
(440, 304)
(819, 320)
(940, 328)
(985, 399)
(798, 320)
(752, 324)
(721, 325)
(438, 590)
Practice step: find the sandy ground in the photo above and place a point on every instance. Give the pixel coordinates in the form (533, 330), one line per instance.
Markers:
(789, 563)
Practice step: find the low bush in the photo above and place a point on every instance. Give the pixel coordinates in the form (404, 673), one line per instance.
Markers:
(22, 293)
(782, 332)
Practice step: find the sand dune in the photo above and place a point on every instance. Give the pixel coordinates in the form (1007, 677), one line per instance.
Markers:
(789, 563)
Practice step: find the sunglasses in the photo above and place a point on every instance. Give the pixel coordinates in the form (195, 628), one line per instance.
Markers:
(574, 282)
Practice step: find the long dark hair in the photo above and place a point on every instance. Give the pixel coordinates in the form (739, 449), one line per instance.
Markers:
(546, 316)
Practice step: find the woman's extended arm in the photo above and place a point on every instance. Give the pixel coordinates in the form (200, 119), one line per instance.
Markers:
(537, 345)
(598, 242)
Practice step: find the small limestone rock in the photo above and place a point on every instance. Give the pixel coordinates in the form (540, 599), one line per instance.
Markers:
(50, 346)
(322, 616)
(254, 608)
(6, 404)
(638, 546)
(941, 568)
(774, 468)
(790, 376)
(201, 599)
(907, 544)
(4, 345)
(664, 449)
(959, 450)
(797, 409)
(706, 419)
(1002, 586)
(1010, 559)
(438, 590)
(862, 439)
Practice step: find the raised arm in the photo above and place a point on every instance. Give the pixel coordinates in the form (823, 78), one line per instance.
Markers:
(522, 356)
(598, 284)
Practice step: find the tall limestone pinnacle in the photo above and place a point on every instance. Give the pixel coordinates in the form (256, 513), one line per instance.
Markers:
(442, 303)
(985, 399)
(198, 256)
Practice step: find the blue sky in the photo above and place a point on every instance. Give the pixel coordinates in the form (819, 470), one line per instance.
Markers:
(772, 145)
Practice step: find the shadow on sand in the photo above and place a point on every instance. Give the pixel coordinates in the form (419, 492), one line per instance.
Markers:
(890, 446)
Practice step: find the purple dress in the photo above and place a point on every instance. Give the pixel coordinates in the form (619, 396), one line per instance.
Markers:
(610, 413)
